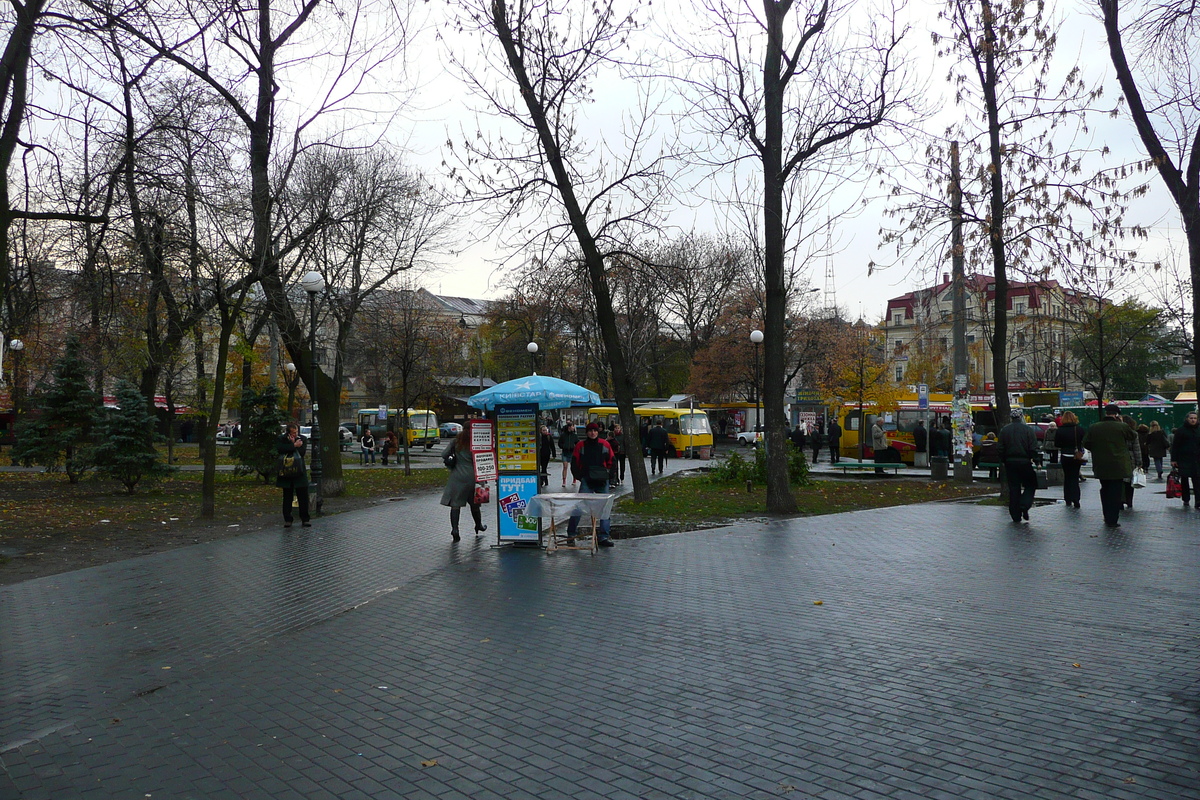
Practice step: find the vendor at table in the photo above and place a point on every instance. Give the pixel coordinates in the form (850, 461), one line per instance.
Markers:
(590, 463)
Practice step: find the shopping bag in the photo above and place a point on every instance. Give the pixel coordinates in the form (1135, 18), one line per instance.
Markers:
(1174, 487)
(1139, 478)
(482, 494)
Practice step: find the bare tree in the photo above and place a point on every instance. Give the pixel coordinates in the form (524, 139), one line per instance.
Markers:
(599, 196)
(795, 113)
(1164, 103)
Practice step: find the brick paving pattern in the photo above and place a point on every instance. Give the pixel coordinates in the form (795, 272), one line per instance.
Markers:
(953, 655)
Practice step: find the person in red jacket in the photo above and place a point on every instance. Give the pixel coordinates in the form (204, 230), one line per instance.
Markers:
(590, 465)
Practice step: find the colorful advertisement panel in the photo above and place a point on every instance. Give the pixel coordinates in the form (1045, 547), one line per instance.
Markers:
(516, 438)
(513, 493)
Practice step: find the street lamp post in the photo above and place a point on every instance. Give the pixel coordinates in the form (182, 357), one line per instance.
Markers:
(532, 347)
(313, 283)
(292, 377)
(756, 337)
(16, 345)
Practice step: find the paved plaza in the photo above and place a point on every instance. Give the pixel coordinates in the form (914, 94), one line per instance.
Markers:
(929, 651)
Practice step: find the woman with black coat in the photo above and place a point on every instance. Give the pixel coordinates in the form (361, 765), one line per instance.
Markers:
(1069, 441)
(546, 453)
(1185, 455)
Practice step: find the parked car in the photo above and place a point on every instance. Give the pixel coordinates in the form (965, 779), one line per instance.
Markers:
(448, 430)
(345, 435)
(747, 438)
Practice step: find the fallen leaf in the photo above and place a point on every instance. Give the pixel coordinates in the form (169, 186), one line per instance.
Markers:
(430, 763)
(1077, 666)
(818, 602)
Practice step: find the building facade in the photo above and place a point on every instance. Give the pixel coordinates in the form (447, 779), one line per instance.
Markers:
(1042, 318)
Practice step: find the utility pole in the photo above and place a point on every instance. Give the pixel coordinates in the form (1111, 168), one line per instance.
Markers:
(962, 451)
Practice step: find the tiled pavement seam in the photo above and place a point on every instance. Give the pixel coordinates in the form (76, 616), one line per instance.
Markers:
(939, 665)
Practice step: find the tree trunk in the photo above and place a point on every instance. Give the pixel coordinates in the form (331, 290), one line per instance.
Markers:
(779, 491)
(996, 224)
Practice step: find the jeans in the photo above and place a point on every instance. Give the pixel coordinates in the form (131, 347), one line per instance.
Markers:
(300, 492)
(586, 487)
(1158, 465)
(1112, 497)
(368, 454)
(1022, 485)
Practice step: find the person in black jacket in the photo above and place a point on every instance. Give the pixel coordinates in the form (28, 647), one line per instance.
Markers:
(1018, 447)
(1069, 441)
(1185, 456)
(546, 453)
(291, 443)
(658, 442)
(591, 463)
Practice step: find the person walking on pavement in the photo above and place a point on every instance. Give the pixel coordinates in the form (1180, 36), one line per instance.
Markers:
(1185, 456)
(367, 443)
(461, 483)
(1157, 446)
(1135, 456)
(291, 443)
(1069, 441)
(816, 440)
(566, 447)
(617, 442)
(879, 442)
(1018, 447)
(1109, 441)
(797, 436)
(1048, 444)
(835, 441)
(591, 462)
(658, 442)
(546, 453)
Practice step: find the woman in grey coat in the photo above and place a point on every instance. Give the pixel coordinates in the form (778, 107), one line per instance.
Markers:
(460, 486)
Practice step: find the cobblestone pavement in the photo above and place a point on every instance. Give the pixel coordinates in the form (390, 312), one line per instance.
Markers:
(934, 651)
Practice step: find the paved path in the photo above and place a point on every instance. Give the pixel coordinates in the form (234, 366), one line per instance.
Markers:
(953, 655)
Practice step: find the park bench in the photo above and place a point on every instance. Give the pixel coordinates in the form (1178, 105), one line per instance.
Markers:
(868, 466)
(991, 466)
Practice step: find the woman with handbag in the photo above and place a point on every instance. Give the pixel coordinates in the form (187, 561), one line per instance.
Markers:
(290, 474)
(1069, 441)
(1156, 446)
(460, 486)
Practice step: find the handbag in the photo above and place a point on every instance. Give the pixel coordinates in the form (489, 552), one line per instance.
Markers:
(1174, 485)
(482, 494)
(1139, 478)
(597, 474)
(289, 466)
(450, 459)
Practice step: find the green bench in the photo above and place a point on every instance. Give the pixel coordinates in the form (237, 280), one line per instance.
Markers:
(871, 466)
(991, 466)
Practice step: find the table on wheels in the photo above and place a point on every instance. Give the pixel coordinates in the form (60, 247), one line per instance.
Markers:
(564, 505)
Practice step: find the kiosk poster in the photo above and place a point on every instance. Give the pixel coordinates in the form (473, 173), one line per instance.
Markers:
(516, 438)
(482, 438)
(513, 493)
(485, 466)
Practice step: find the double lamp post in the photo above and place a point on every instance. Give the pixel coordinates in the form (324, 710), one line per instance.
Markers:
(314, 284)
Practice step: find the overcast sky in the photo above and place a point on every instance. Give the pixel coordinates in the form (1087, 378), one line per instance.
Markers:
(442, 106)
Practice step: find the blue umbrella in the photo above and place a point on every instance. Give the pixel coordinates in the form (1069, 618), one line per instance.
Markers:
(547, 392)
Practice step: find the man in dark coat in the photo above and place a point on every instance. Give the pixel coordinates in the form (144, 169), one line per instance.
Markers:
(292, 445)
(1109, 441)
(1185, 456)
(797, 436)
(835, 441)
(658, 442)
(921, 437)
(1018, 447)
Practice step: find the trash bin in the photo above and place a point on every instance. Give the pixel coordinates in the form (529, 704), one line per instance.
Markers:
(704, 453)
(938, 467)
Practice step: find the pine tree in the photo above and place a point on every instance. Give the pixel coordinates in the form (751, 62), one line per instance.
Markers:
(125, 441)
(59, 432)
(262, 423)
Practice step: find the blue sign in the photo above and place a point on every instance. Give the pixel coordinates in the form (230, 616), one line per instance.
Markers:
(1072, 398)
(922, 396)
(513, 493)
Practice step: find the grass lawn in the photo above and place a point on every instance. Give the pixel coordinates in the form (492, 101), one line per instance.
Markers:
(685, 501)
